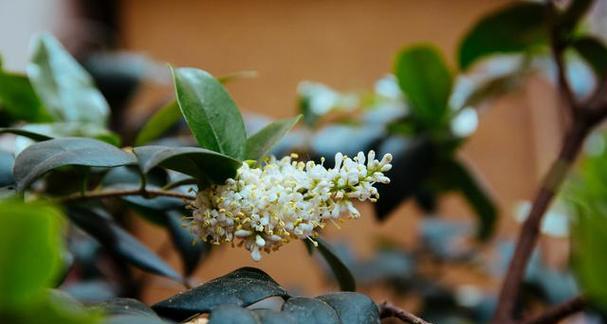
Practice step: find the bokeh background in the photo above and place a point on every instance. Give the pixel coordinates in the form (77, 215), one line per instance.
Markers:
(347, 45)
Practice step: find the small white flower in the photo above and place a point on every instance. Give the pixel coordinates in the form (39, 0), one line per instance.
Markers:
(265, 207)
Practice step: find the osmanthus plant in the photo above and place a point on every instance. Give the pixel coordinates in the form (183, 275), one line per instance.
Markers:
(228, 189)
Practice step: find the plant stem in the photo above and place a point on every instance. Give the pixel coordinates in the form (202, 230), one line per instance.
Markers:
(127, 192)
(530, 231)
(386, 310)
(559, 312)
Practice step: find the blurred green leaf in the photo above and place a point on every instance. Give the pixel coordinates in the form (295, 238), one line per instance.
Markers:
(426, 82)
(25, 133)
(74, 129)
(65, 88)
(7, 160)
(190, 248)
(310, 310)
(160, 122)
(572, 15)
(493, 88)
(40, 158)
(476, 195)
(241, 287)
(119, 242)
(231, 314)
(340, 270)
(514, 28)
(19, 100)
(210, 112)
(594, 52)
(194, 161)
(30, 252)
(261, 142)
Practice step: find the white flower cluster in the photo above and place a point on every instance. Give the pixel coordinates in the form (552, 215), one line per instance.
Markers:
(265, 207)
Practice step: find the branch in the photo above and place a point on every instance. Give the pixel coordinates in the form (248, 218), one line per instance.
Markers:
(120, 193)
(557, 53)
(386, 310)
(559, 312)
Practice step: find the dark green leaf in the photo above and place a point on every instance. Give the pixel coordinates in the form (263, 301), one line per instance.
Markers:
(261, 142)
(19, 100)
(310, 310)
(196, 162)
(154, 209)
(352, 308)
(134, 319)
(411, 166)
(477, 196)
(25, 133)
(231, 314)
(572, 15)
(30, 251)
(594, 52)
(242, 287)
(426, 82)
(65, 88)
(74, 129)
(160, 122)
(341, 272)
(211, 114)
(514, 28)
(268, 316)
(6, 169)
(119, 242)
(124, 306)
(40, 158)
(493, 89)
(189, 247)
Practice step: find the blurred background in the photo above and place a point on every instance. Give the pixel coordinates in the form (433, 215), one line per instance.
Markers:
(347, 45)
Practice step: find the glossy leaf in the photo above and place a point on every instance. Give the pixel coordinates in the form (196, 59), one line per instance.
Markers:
(25, 133)
(18, 99)
(594, 52)
(352, 307)
(124, 306)
(197, 162)
(232, 314)
(160, 122)
(210, 112)
(190, 249)
(30, 251)
(310, 310)
(242, 287)
(340, 270)
(514, 28)
(40, 158)
(153, 209)
(261, 142)
(120, 242)
(6, 169)
(65, 88)
(426, 82)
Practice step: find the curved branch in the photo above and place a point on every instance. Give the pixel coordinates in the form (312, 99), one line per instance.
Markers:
(386, 310)
(560, 311)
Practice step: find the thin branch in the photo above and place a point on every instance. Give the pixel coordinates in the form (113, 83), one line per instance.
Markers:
(120, 193)
(559, 312)
(386, 310)
(561, 70)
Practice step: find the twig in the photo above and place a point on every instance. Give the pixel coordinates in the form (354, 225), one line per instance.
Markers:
(559, 312)
(120, 193)
(386, 310)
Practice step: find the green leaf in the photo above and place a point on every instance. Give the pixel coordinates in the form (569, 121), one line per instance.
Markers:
(231, 314)
(570, 18)
(124, 306)
(19, 100)
(462, 180)
(160, 122)
(241, 287)
(352, 307)
(594, 52)
(30, 252)
(74, 129)
(342, 273)
(194, 161)
(119, 242)
(190, 249)
(65, 88)
(589, 241)
(426, 82)
(210, 112)
(261, 142)
(40, 158)
(514, 28)
(310, 310)
(25, 133)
